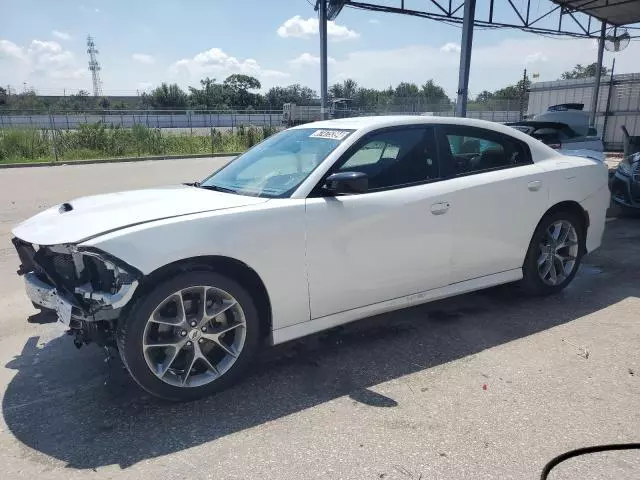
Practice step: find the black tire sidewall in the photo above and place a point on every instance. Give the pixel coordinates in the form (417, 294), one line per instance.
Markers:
(531, 281)
(131, 331)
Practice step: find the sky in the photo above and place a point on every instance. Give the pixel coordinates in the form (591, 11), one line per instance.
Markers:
(142, 43)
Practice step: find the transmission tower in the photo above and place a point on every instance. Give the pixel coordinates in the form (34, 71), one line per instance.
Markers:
(94, 67)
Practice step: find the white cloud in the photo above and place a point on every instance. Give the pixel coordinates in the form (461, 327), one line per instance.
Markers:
(69, 74)
(49, 54)
(41, 59)
(298, 27)
(307, 59)
(144, 85)
(535, 58)
(493, 66)
(11, 50)
(374, 21)
(274, 74)
(61, 35)
(216, 62)
(143, 58)
(450, 48)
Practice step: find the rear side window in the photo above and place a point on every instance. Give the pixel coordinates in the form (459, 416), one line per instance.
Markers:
(470, 150)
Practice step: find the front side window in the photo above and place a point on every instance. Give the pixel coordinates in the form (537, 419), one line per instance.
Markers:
(394, 158)
(474, 150)
(277, 166)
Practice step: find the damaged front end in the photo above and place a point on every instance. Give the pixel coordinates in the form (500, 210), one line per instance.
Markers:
(86, 287)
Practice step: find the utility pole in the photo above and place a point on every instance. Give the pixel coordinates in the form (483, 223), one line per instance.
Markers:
(465, 57)
(596, 86)
(523, 92)
(323, 57)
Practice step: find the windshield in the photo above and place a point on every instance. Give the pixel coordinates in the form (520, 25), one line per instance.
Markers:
(277, 166)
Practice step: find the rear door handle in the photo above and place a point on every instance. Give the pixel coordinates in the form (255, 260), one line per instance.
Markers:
(440, 208)
(535, 185)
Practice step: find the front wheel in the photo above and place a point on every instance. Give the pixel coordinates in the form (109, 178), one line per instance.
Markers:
(554, 254)
(189, 336)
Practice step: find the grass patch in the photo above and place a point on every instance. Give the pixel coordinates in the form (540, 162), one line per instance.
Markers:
(95, 141)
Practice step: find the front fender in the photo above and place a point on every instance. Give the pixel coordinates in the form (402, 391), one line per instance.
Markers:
(270, 238)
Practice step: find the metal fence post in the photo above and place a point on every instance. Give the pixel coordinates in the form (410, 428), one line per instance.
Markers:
(52, 124)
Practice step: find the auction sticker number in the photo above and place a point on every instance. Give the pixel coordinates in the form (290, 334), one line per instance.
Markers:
(331, 134)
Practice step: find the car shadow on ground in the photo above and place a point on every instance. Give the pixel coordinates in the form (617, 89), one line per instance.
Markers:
(71, 406)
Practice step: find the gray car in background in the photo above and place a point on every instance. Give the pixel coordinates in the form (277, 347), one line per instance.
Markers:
(566, 129)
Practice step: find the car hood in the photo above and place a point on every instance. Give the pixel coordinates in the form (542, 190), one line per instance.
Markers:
(87, 217)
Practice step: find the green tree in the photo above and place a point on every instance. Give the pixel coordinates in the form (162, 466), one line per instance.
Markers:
(298, 94)
(484, 96)
(581, 71)
(238, 86)
(28, 100)
(347, 89)
(104, 103)
(210, 95)
(406, 90)
(433, 93)
(119, 105)
(3, 96)
(166, 97)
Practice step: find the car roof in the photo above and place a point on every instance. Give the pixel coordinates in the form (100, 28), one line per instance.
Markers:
(367, 124)
(382, 121)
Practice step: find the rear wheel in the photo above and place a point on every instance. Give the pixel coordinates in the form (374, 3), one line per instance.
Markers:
(554, 254)
(190, 336)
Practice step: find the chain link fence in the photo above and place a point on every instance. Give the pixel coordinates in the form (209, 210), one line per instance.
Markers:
(36, 136)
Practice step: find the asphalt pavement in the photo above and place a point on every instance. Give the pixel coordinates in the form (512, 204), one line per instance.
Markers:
(489, 385)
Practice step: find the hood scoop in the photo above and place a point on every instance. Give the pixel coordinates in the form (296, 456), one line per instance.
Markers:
(65, 207)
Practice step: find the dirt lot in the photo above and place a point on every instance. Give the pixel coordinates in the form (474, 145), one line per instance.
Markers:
(485, 386)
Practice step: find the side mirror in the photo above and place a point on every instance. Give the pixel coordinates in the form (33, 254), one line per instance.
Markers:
(346, 183)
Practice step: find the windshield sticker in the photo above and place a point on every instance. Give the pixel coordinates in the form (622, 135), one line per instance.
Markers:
(331, 134)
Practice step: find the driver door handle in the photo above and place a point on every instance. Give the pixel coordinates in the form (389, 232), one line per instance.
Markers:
(440, 208)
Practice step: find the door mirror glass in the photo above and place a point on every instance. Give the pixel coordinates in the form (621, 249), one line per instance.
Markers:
(345, 183)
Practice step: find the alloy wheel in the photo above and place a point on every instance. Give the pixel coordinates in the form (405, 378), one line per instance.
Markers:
(194, 336)
(558, 253)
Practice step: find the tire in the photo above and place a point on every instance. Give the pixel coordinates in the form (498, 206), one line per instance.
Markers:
(145, 325)
(534, 282)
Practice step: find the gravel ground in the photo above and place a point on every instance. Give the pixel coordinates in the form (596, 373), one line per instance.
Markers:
(484, 386)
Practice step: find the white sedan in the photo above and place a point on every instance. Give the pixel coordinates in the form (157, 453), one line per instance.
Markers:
(317, 226)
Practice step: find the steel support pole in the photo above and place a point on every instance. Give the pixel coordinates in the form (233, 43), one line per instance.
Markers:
(596, 86)
(323, 58)
(465, 57)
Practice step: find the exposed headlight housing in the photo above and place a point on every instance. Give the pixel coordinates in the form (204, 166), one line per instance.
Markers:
(109, 282)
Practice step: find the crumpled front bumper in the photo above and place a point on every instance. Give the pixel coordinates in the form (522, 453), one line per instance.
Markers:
(86, 285)
(39, 292)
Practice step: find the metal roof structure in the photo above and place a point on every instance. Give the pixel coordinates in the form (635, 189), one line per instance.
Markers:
(572, 18)
(613, 12)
